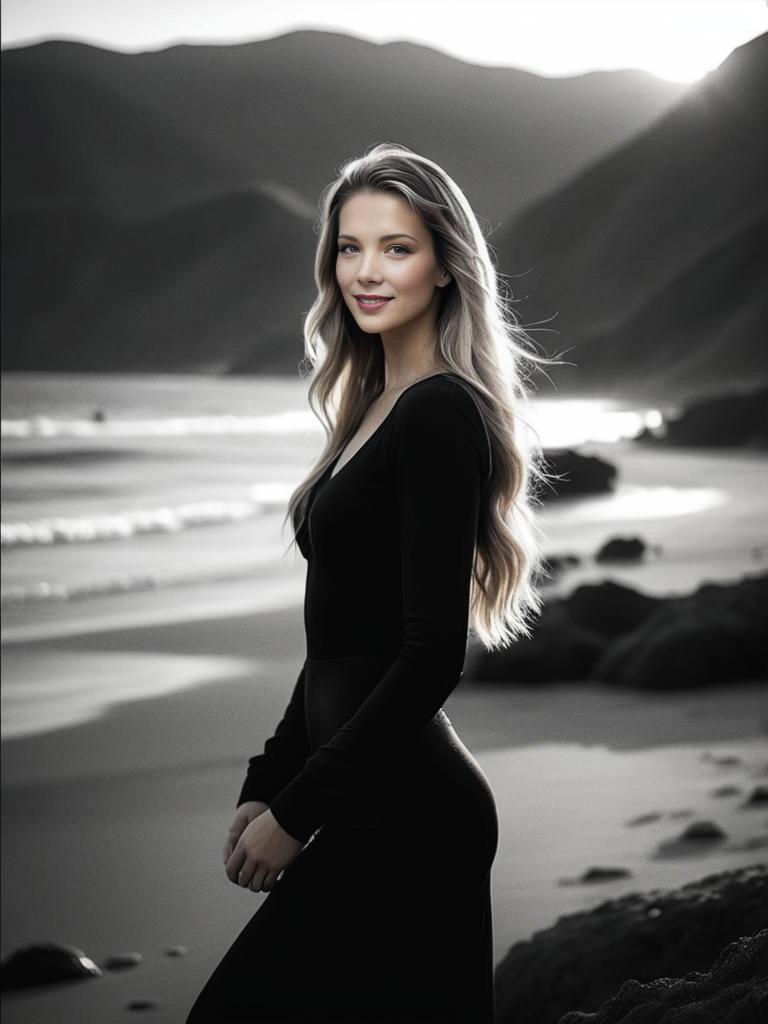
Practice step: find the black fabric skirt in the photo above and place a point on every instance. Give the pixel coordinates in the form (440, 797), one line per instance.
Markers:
(385, 915)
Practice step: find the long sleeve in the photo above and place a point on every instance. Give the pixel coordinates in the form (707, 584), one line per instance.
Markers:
(439, 464)
(284, 753)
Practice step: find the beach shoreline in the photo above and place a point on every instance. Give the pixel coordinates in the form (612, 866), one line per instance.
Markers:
(113, 823)
(131, 807)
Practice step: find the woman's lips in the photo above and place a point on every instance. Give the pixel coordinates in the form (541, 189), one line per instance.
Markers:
(371, 307)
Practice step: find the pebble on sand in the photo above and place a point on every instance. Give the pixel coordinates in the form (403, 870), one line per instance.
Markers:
(698, 835)
(728, 790)
(597, 874)
(46, 964)
(119, 961)
(142, 1004)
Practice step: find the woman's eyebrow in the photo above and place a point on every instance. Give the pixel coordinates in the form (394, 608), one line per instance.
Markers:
(384, 238)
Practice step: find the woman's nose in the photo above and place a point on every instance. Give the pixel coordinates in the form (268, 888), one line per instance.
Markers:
(368, 269)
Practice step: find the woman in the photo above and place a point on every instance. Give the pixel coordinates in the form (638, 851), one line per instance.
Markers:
(366, 819)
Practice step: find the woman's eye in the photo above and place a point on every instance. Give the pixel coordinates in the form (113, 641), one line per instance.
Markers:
(350, 245)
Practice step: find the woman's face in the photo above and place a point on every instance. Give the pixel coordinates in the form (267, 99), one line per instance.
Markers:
(385, 249)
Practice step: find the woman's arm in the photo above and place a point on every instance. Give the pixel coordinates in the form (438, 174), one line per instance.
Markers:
(284, 753)
(440, 463)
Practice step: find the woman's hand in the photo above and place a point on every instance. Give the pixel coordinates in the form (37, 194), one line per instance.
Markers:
(245, 814)
(262, 852)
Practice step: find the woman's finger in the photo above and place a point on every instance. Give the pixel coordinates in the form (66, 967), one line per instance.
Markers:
(235, 863)
(245, 874)
(234, 833)
(256, 881)
(269, 880)
(232, 838)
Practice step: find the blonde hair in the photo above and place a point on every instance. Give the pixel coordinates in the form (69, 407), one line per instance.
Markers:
(480, 341)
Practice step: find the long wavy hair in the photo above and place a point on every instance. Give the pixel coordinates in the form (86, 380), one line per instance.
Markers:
(480, 341)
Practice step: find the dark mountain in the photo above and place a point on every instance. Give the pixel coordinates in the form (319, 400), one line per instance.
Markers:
(142, 132)
(196, 288)
(655, 258)
(707, 326)
(158, 207)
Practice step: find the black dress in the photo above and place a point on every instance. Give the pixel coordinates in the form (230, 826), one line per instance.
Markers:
(385, 914)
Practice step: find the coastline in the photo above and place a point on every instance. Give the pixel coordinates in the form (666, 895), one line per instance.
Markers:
(131, 808)
(113, 826)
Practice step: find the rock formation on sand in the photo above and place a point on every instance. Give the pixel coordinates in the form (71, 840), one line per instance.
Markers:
(734, 991)
(582, 960)
(611, 633)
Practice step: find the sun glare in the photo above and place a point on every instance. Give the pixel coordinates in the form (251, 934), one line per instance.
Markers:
(679, 40)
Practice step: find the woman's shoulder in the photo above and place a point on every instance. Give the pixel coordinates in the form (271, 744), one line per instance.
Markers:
(444, 408)
(445, 396)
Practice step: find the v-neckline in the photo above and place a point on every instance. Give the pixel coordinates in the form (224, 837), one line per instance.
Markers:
(332, 475)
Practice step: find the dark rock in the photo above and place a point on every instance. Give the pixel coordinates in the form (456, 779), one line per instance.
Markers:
(177, 951)
(580, 474)
(733, 991)
(757, 798)
(610, 633)
(142, 1004)
(558, 649)
(703, 830)
(644, 819)
(681, 653)
(597, 874)
(581, 960)
(718, 634)
(727, 790)
(621, 549)
(720, 421)
(610, 608)
(119, 961)
(698, 835)
(46, 964)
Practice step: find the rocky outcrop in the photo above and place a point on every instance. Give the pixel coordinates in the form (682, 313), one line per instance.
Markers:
(609, 608)
(622, 549)
(739, 419)
(717, 634)
(733, 991)
(579, 474)
(559, 649)
(582, 960)
(611, 633)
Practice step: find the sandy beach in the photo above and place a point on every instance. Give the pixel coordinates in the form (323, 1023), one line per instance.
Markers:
(113, 828)
(128, 719)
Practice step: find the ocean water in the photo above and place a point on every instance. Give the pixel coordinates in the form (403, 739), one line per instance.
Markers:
(114, 483)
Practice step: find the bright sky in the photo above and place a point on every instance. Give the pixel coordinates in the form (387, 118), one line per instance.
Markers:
(675, 39)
